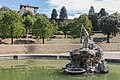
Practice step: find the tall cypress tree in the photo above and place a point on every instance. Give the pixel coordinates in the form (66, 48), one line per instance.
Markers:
(102, 12)
(54, 14)
(93, 16)
(92, 10)
(63, 13)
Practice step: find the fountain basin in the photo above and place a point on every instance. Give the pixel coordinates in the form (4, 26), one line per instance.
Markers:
(75, 70)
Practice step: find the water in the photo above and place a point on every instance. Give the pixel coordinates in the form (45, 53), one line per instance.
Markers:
(37, 69)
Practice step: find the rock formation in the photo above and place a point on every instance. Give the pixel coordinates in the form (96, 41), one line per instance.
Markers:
(88, 59)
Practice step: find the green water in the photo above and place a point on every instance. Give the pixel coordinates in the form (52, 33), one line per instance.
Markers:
(49, 70)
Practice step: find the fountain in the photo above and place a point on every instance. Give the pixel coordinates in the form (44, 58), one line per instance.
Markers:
(88, 59)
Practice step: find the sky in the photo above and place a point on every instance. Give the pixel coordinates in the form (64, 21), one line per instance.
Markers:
(74, 7)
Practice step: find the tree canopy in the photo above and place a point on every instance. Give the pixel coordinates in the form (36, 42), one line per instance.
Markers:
(11, 25)
(42, 28)
(28, 21)
(55, 26)
(77, 24)
(93, 16)
(4, 8)
(102, 12)
(27, 13)
(54, 14)
(65, 27)
(109, 25)
(63, 13)
(92, 10)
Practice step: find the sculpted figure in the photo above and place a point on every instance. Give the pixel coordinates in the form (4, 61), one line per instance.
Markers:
(86, 59)
(86, 37)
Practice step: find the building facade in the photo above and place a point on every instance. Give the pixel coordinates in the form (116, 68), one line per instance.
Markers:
(24, 8)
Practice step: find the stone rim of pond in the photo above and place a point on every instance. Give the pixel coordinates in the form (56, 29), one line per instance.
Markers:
(52, 56)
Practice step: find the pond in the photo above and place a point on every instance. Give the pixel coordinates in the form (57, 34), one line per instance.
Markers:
(43, 69)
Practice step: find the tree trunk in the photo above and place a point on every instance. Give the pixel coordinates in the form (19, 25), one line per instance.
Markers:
(65, 35)
(43, 40)
(108, 38)
(12, 40)
(27, 32)
(11, 35)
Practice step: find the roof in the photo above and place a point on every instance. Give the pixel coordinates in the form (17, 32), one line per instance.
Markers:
(28, 6)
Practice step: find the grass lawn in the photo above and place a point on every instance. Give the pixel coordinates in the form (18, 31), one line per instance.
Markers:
(58, 45)
(39, 69)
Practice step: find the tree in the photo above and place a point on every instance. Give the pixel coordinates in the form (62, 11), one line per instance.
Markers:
(75, 28)
(4, 8)
(65, 27)
(118, 18)
(102, 12)
(11, 25)
(54, 14)
(94, 18)
(109, 26)
(37, 14)
(92, 10)
(27, 13)
(28, 21)
(42, 28)
(63, 13)
(55, 26)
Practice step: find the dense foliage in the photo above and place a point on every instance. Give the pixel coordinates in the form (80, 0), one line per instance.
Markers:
(28, 21)
(102, 12)
(11, 25)
(110, 25)
(4, 8)
(54, 14)
(43, 28)
(75, 28)
(27, 13)
(63, 13)
(93, 16)
(65, 27)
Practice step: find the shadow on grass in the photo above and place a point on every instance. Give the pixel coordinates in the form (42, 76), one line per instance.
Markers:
(100, 39)
(24, 42)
